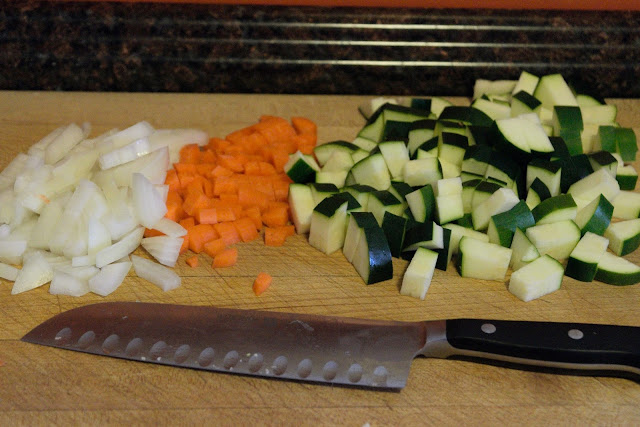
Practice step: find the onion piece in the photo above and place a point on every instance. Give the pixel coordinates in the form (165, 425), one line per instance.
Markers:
(63, 143)
(66, 284)
(125, 136)
(175, 139)
(39, 147)
(83, 273)
(109, 278)
(164, 249)
(154, 166)
(157, 274)
(5, 230)
(98, 236)
(8, 272)
(170, 228)
(147, 202)
(35, 272)
(126, 154)
(122, 248)
(44, 228)
(83, 261)
(12, 248)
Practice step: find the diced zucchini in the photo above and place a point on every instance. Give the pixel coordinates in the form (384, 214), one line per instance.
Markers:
(527, 82)
(356, 223)
(574, 168)
(373, 171)
(556, 239)
(554, 209)
(322, 190)
(383, 201)
(324, 151)
(422, 203)
(552, 90)
(603, 114)
(483, 87)
(585, 100)
(481, 192)
(445, 253)
(524, 103)
(476, 159)
(423, 235)
(361, 193)
(400, 189)
(458, 231)
(337, 178)
(624, 236)
(467, 115)
(301, 204)
(604, 160)
(591, 186)
(452, 147)
(329, 223)
(626, 205)
(523, 251)
(541, 277)
(583, 261)
(539, 190)
(615, 270)
(301, 168)
(421, 131)
(627, 177)
(372, 258)
(395, 130)
(482, 260)
(595, 217)
(448, 194)
(394, 227)
(500, 201)
(417, 277)
(428, 149)
(438, 104)
(566, 117)
(421, 172)
(502, 226)
(395, 155)
(495, 110)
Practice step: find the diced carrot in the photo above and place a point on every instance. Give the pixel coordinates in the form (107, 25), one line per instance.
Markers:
(228, 232)
(276, 236)
(231, 162)
(246, 229)
(186, 168)
(239, 134)
(185, 179)
(221, 171)
(261, 283)
(192, 261)
(276, 216)
(218, 145)
(281, 190)
(304, 125)
(199, 235)
(185, 244)
(253, 213)
(207, 216)
(174, 206)
(226, 258)
(188, 222)
(207, 157)
(190, 153)
(172, 180)
(225, 184)
(214, 247)
(150, 232)
(194, 202)
(279, 158)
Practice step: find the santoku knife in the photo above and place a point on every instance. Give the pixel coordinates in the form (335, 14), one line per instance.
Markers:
(335, 350)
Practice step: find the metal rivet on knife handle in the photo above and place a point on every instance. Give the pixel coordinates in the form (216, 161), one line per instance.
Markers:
(110, 344)
(380, 376)
(279, 365)
(206, 357)
(182, 353)
(158, 350)
(86, 339)
(134, 347)
(231, 359)
(355, 373)
(255, 362)
(63, 336)
(330, 370)
(304, 368)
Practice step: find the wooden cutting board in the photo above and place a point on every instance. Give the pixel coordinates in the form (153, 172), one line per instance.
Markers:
(45, 385)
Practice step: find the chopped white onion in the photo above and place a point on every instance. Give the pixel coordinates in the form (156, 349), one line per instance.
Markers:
(8, 272)
(126, 154)
(83, 260)
(125, 136)
(154, 166)
(63, 143)
(147, 202)
(7, 200)
(12, 248)
(109, 278)
(41, 145)
(66, 284)
(170, 228)
(5, 230)
(163, 190)
(175, 139)
(164, 249)
(122, 248)
(42, 232)
(83, 273)
(98, 236)
(35, 272)
(157, 274)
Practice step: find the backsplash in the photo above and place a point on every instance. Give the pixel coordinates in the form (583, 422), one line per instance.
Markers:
(153, 47)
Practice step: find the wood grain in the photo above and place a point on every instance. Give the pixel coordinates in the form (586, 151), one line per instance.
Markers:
(41, 385)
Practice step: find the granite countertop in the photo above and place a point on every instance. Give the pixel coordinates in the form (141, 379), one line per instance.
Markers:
(154, 47)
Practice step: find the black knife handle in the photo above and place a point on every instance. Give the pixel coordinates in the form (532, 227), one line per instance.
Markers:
(576, 347)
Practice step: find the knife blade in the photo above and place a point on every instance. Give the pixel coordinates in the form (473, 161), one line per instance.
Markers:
(329, 349)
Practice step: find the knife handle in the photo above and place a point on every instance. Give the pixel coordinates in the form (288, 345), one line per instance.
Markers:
(588, 348)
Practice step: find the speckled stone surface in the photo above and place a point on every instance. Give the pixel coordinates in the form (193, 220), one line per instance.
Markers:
(258, 49)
